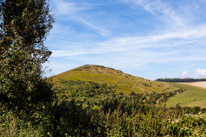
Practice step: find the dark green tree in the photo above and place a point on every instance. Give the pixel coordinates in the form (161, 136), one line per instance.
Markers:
(24, 25)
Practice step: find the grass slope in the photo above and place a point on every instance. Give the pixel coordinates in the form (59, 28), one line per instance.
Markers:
(123, 82)
(193, 96)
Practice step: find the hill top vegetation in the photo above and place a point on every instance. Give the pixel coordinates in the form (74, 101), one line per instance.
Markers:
(122, 82)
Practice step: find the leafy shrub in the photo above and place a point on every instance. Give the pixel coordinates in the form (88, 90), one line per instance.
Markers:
(188, 125)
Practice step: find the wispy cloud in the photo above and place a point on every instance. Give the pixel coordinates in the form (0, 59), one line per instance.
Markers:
(71, 10)
(101, 30)
(168, 39)
(161, 9)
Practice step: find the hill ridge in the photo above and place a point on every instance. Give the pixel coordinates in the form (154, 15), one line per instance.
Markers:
(124, 82)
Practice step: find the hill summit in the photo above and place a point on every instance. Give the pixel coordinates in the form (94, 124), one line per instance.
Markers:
(123, 82)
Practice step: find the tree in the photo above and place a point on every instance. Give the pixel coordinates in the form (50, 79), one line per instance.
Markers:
(24, 25)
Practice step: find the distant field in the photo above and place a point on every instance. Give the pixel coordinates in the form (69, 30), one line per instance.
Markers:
(197, 84)
(193, 96)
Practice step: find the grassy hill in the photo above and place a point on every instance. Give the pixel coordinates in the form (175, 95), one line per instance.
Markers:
(123, 82)
(192, 96)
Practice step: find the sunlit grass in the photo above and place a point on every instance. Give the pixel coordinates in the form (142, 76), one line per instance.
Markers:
(123, 82)
(192, 96)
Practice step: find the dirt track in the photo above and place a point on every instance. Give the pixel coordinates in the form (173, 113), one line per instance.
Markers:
(197, 84)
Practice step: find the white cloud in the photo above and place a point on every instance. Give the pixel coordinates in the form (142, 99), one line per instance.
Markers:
(185, 74)
(64, 8)
(201, 72)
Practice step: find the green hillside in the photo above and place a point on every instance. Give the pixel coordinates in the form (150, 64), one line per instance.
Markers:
(123, 82)
(192, 96)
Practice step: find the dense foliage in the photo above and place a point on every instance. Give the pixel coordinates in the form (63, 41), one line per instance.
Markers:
(96, 94)
(180, 79)
(23, 28)
(92, 109)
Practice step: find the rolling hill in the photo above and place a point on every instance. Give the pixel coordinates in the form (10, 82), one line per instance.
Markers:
(123, 82)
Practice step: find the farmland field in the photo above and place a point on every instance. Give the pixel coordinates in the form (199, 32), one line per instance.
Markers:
(192, 96)
(197, 84)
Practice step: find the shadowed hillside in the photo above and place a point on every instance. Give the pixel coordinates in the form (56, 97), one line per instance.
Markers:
(123, 82)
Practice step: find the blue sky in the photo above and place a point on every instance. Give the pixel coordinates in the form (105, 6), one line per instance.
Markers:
(146, 38)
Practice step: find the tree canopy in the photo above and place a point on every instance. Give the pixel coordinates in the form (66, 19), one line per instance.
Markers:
(24, 26)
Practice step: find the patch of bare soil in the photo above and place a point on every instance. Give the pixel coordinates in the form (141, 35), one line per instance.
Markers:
(197, 84)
